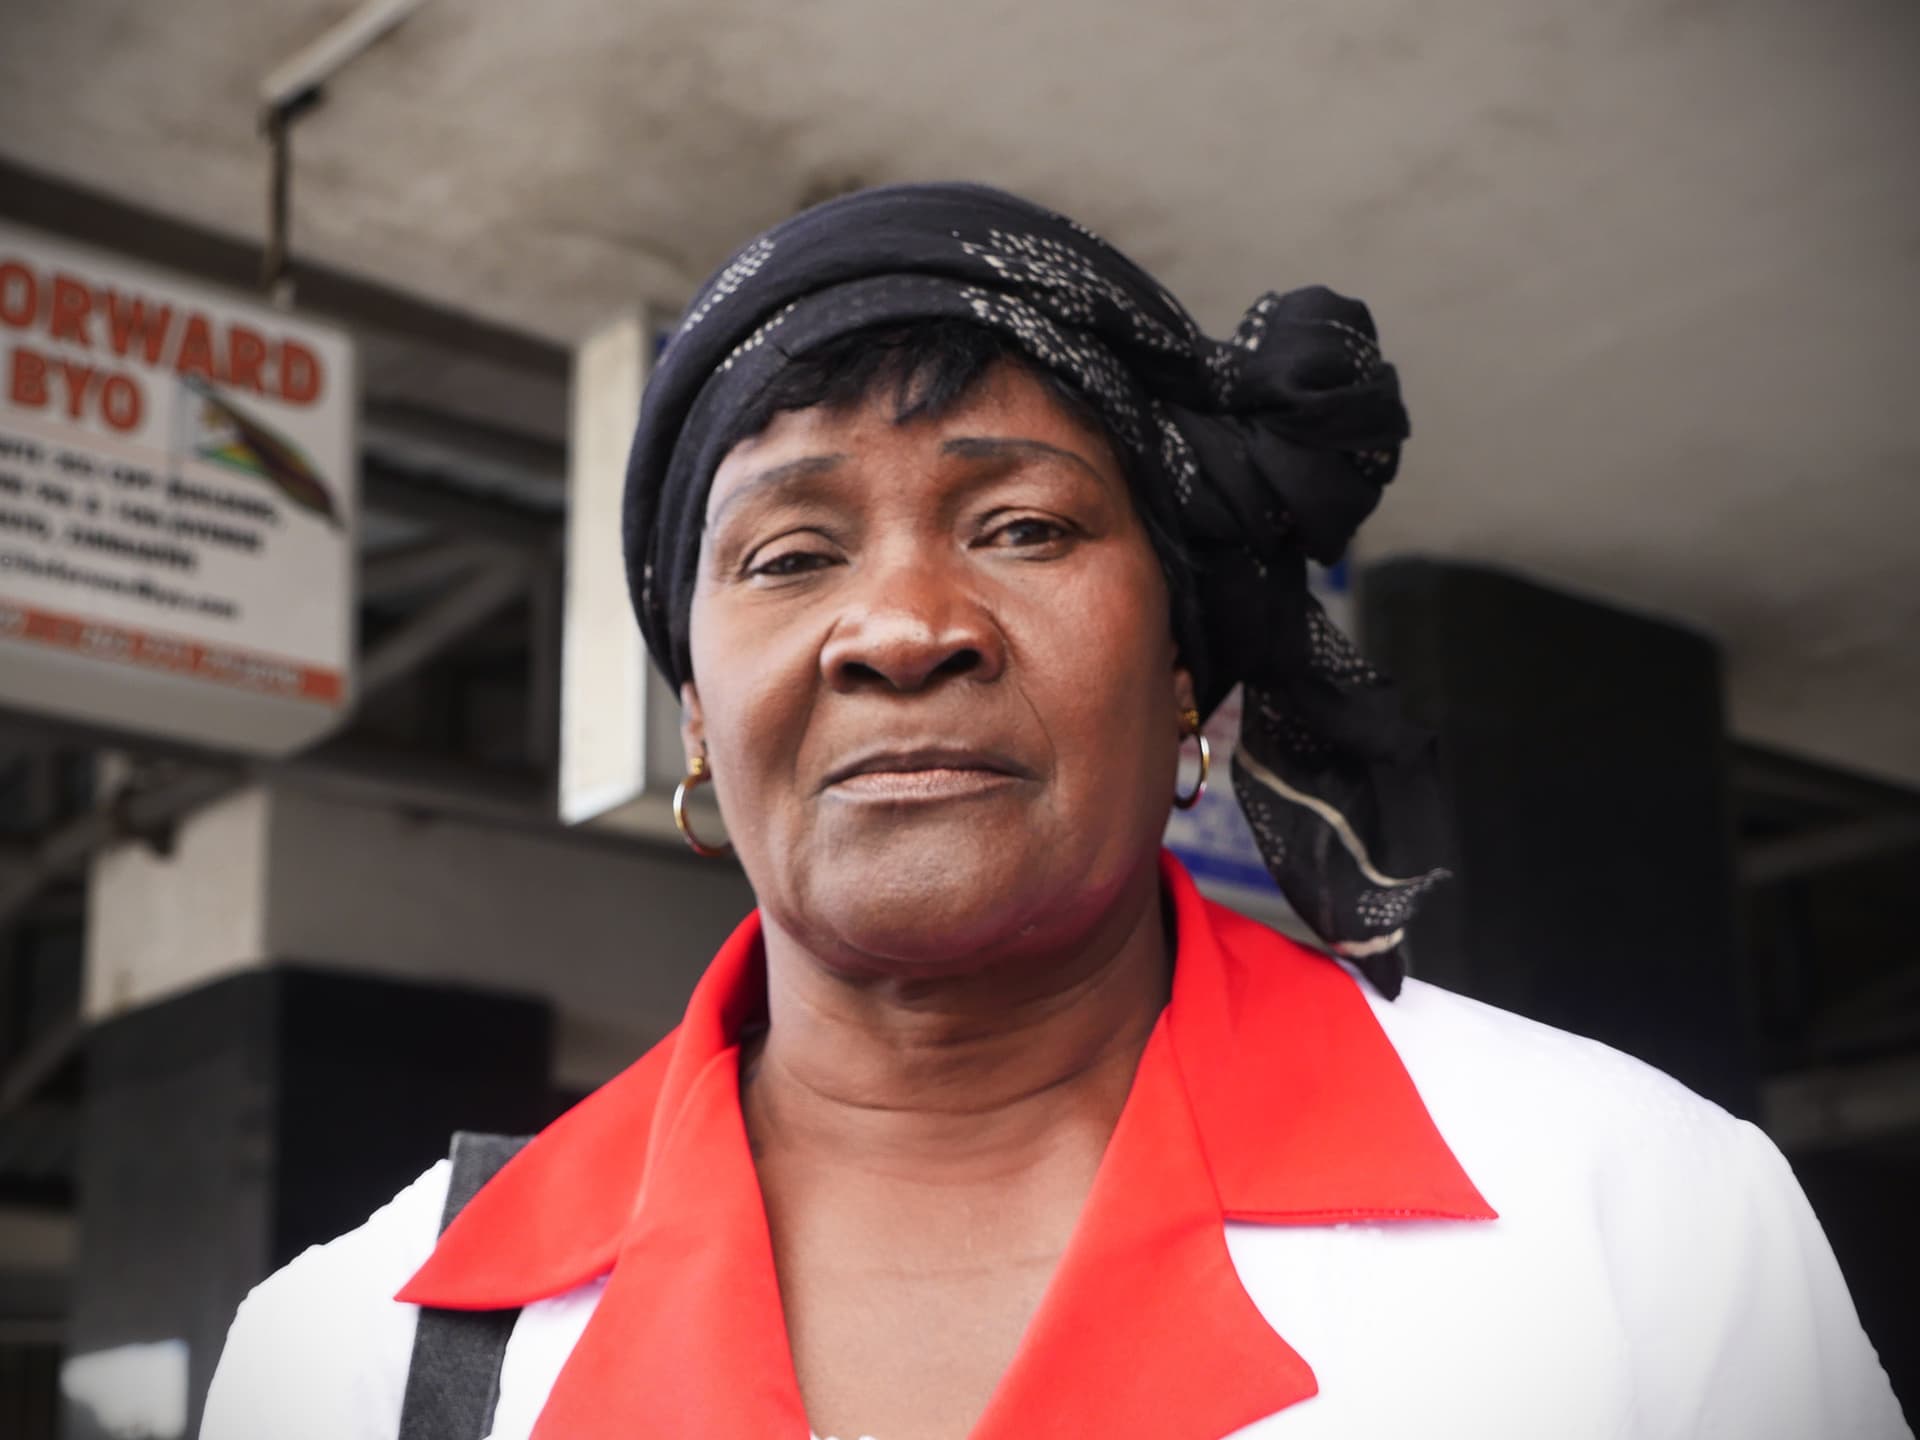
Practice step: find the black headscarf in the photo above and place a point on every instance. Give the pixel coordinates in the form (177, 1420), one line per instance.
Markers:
(1269, 448)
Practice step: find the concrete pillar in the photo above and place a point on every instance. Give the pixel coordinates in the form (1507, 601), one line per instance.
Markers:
(611, 935)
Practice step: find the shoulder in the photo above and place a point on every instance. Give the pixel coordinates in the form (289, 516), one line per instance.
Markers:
(1545, 1121)
(1491, 1074)
(1723, 1285)
(319, 1350)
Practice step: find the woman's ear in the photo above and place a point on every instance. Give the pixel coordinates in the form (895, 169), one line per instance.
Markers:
(1183, 691)
(693, 723)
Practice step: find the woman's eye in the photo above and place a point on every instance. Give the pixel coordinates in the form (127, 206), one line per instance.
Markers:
(789, 563)
(1026, 533)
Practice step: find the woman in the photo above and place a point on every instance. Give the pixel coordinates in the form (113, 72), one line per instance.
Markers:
(949, 526)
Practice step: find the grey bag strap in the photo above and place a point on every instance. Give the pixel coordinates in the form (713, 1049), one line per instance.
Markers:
(453, 1381)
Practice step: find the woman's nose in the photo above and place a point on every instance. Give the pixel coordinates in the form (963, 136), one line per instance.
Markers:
(911, 628)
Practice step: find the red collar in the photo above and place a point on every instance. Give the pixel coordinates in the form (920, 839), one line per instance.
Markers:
(1267, 1093)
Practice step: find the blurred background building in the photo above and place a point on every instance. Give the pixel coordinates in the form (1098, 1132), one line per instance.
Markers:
(1650, 271)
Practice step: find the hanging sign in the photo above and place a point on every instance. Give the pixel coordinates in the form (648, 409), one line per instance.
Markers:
(178, 487)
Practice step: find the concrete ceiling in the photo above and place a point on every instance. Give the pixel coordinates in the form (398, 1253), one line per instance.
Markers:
(1651, 269)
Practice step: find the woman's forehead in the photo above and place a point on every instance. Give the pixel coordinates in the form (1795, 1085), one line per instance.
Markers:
(1008, 413)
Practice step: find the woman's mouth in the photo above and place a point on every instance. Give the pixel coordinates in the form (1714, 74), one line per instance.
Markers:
(938, 783)
(923, 775)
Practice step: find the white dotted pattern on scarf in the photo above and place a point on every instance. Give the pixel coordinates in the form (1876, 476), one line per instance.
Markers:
(742, 268)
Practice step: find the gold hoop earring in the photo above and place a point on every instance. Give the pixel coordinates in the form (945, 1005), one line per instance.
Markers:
(1192, 797)
(697, 776)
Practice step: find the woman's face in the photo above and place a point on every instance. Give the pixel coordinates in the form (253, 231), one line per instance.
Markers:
(935, 678)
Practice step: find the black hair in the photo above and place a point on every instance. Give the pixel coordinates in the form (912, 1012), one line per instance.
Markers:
(926, 368)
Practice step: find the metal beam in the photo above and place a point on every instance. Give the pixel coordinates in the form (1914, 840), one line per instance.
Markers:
(1842, 1105)
(1879, 1016)
(1828, 847)
(348, 766)
(348, 769)
(421, 567)
(462, 444)
(406, 495)
(132, 812)
(1762, 770)
(442, 624)
(422, 782)
(318, 62)
(39, 1063)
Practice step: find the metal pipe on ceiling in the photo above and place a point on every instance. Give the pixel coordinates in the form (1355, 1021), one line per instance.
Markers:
(444, 622)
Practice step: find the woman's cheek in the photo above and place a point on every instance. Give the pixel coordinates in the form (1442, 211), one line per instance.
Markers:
(1108, 630)
(765, 714)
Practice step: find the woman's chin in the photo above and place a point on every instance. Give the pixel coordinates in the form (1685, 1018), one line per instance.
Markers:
(932, 907)
(949, 907)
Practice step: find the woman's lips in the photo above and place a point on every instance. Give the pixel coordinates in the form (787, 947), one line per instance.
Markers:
(902, 773)
(940, 782)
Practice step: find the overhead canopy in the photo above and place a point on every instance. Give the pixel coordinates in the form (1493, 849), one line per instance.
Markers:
(1651, 270)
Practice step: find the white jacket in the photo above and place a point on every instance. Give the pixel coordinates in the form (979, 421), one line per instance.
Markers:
(1653, 1272)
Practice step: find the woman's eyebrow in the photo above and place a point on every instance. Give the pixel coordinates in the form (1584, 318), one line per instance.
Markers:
(1001, 447)
(772, 478)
